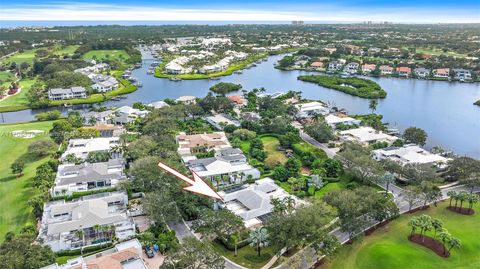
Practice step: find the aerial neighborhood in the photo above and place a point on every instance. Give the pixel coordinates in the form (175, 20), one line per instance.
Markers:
(291, 145)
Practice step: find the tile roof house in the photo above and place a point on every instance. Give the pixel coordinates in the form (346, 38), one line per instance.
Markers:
(316, 65)
(386, 70)
(252, 202)
(404, 71)
(441, 72)
(88, 176)
(82, 147)
(125, 255)
(61, 220)
(368, 68)
(229, 164)
(237, 99)
(366, 135)
(196, 143)
(409, 154)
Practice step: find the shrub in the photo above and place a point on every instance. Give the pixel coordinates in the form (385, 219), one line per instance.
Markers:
(41, 148)
(355, 86)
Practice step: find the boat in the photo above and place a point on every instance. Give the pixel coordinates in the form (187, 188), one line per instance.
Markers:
(175, 79)
(138, 84)
(214, 78)
(265, 59)
(67, 105)
(150, 71)
(238, 72)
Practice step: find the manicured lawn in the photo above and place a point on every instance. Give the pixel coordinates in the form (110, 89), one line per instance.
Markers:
(5, 77)
(388, 247)
(65, 50)
(274, 156)
(26, 56)
(437, 52)
(15, 192)
(106, 54)
(18, 101)
(246, 256)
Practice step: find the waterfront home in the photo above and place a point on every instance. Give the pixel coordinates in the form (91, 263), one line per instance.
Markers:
(219, 121)
(335, 65)
(83, 177)
(201, 143)
(67, 93)
(72, 225)
(229, 166)
(188, 100)
(351, 68)
(252, 202)
(368, 68)
(409, 154)
(108, 130)
(462, 74)
(366, 136)
(441, 72)
(131, 112)
(421, 72)
(237, 99)
(125, 255)
(316, 65)
(386, 70)
(101, 117)
(307, 110)
(104, 86)
(404, 71)
(174, 68)
(334, 120)
(80, 148)
(158, 104)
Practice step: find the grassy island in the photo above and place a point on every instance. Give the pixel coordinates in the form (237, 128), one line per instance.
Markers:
(360, 87)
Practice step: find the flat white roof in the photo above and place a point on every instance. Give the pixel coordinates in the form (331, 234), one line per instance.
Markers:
(367, 134)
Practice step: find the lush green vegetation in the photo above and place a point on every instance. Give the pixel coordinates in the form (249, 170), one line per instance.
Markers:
(65, 50)
(106, 55)
(388, 247)
(232, 68)
(18, 101)
(14, 191)
(360, 87)
(223, 88)
(246, 256)
(25, 56)
(274, 156)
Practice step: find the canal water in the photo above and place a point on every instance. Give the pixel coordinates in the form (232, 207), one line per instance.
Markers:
(444, 109)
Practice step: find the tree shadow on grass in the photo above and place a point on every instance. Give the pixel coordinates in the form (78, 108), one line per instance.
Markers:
(7, 179)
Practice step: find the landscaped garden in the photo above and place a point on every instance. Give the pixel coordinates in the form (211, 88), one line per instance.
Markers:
(18, 101)
(389, 247)
(16, 213)
(360, 87)
(246, 256)
(25, 56)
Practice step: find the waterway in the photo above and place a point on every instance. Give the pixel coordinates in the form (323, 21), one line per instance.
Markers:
(444, 110)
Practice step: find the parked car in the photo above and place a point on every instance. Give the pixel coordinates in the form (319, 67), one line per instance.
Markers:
(148, 251)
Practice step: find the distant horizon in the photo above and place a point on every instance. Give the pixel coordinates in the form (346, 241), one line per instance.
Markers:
(339, 11)
(79, 23)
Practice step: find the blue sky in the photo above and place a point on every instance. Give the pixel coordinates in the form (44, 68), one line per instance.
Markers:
(405, 11)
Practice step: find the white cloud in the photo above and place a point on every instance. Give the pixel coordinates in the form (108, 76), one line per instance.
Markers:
(105, 12)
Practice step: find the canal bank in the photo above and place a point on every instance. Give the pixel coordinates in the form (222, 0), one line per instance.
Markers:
(443, 109)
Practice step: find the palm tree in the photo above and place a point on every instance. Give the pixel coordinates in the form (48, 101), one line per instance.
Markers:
(259, 239)
(235, 239)
(242, 175)
(317, 117)
(472, 199)
(453, 243)
(437, 226)
(373, 105)
(80, 235)
(97, 228)
(425, 224)
(414, 224)
(456, 196)
(444, 236)
(388, 178)
(451, 194)
(462, 197)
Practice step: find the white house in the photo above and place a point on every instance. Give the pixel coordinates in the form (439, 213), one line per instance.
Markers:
(229, 164)
(409, 154)
(366, 135)
(220, 120)
(80, 148)
(334, 120)
(187, 99)
(310, 109)
(352, 67)
(462, 74)
(253, 202)
(335, 65)
(68, 93)
(421, 72)
(61, 221)
(73, 178)
(158, 104)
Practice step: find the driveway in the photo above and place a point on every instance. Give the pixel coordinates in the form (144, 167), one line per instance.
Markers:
(155, 262)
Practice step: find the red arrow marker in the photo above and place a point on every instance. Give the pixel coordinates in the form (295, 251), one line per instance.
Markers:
(196, 184)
